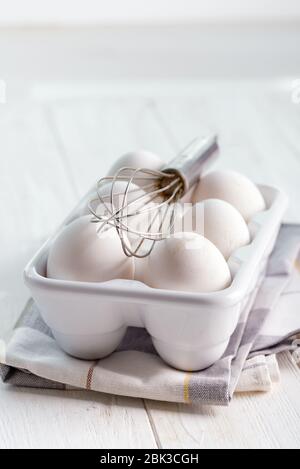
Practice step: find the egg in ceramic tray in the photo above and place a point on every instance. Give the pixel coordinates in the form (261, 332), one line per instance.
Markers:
(220, 222)
(232, 187)
(187, 262)
(80, 253)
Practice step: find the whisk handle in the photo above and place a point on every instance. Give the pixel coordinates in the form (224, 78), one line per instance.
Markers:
(193, 160)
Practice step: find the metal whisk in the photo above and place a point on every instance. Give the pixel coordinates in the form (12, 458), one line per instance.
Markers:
(152, 194)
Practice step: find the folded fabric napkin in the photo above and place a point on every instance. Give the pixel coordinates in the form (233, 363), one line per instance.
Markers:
(31, 357)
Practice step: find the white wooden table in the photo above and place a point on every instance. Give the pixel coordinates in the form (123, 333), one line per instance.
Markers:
(58, 133)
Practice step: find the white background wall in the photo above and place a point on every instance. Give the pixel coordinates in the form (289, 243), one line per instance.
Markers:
(14, 12)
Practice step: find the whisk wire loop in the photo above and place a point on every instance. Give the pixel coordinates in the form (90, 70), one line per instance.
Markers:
(125, 199)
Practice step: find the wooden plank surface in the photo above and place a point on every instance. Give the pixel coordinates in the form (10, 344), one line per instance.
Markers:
(93, 133)
(71, 419)
(261, 420)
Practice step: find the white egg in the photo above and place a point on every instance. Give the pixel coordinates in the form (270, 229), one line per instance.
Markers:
(80, 253)
(232, 187)
(187, 262)
(137, 159)
(219, 222)
(140, 268)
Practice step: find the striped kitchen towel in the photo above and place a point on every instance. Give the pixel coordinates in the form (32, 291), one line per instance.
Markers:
(29, 355)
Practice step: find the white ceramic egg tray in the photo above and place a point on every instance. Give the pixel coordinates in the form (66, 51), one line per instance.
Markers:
(190, 331)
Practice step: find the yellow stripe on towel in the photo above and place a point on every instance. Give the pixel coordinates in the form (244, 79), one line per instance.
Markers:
(186, 393)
